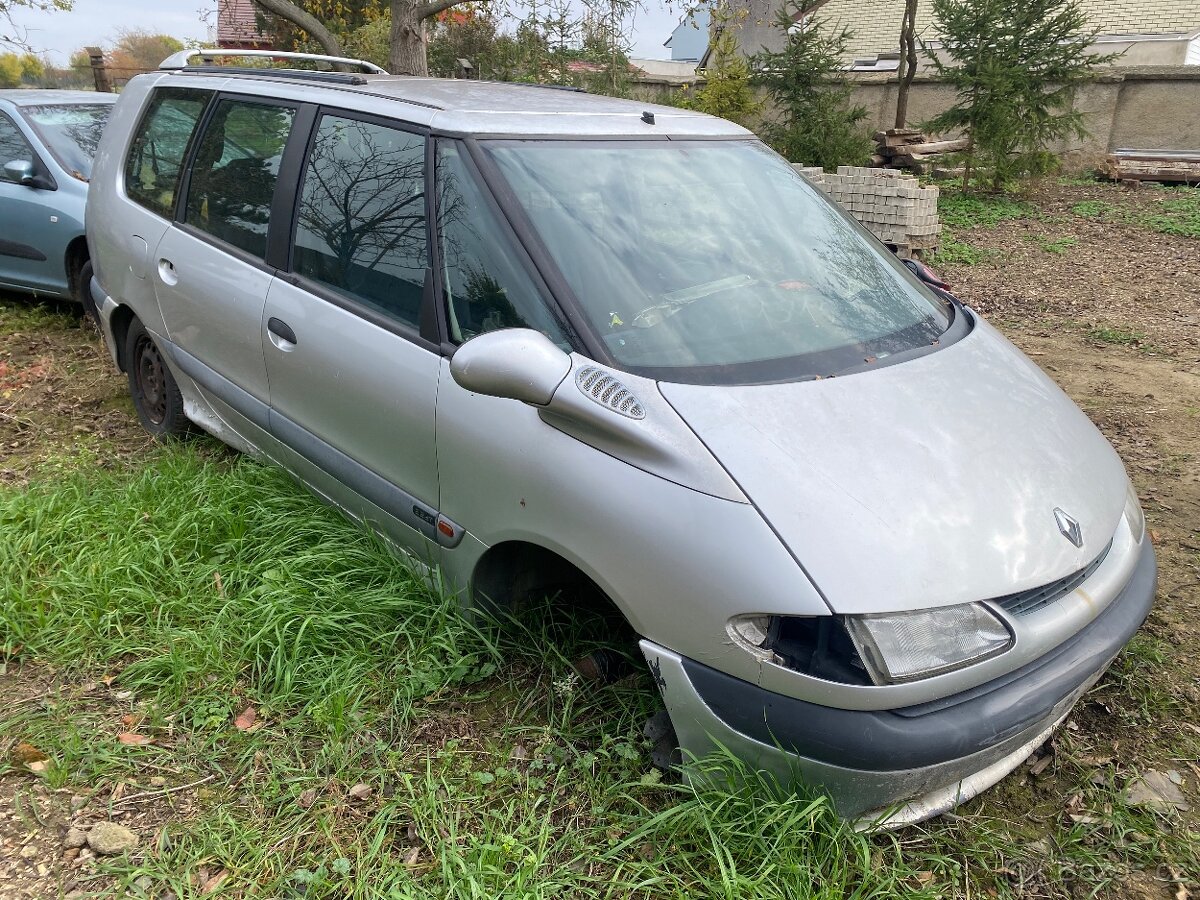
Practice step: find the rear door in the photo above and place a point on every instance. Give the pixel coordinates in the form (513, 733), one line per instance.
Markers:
(210, 268)
(351, 351)
(26, 229)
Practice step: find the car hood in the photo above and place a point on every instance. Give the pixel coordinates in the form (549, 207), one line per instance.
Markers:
(925, 483)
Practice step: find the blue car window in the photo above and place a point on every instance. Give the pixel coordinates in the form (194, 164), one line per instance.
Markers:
(71, 131)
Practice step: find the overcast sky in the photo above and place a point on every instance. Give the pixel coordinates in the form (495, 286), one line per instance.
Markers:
(99, 21)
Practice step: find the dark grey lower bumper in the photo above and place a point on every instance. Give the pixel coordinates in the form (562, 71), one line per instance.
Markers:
(943, 730)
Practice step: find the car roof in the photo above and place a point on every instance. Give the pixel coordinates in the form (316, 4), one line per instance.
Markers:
(27, 97)
(463, 106)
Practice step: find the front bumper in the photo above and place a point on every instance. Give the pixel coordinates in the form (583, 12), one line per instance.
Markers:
(904, 765)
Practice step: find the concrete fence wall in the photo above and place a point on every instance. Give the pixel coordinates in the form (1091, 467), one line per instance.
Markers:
(1144, 107)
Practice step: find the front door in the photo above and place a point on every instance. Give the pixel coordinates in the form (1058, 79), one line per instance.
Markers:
(353, 383)
(209, 269)
(25, 229)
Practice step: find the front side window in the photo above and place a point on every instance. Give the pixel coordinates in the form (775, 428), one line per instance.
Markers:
(486, 286)
(13, 146)
(71, 131)
(360, 226)
(234, 172)
(156, 155)
(714, 261)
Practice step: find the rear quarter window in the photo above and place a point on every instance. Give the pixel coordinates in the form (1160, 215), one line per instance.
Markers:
(160, 145)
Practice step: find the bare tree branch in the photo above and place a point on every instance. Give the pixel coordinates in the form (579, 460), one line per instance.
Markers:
(304, 20)
(432, 8)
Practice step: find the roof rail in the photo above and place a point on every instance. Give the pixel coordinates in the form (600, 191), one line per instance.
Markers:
(179, 60)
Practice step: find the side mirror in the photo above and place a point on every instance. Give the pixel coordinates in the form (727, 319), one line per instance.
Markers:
(516, 363)
(20, 170)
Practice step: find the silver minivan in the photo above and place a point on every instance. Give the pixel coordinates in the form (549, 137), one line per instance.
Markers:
(538, 337)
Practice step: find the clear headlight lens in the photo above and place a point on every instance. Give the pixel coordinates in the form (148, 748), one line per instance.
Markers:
(900, 647)
(1134, 517)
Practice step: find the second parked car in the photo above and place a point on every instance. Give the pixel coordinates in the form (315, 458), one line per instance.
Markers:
(47, 140)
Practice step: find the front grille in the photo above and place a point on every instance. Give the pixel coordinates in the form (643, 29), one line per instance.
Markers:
(1025, 602)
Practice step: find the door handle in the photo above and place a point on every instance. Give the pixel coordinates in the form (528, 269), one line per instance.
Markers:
(166, 271)
(281, 333)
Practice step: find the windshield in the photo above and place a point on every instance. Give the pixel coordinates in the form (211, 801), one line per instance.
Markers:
(71, 132)
(714, 260)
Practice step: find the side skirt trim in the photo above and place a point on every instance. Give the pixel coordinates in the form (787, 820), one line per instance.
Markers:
(363, 481)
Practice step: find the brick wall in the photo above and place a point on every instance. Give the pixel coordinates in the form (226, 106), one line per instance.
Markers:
(237, 26)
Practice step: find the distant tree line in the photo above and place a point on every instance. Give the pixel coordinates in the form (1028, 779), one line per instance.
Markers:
(133, 52)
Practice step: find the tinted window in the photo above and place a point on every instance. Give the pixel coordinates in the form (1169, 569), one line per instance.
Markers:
(361, 223)
(71, 131)
(486, 286)
(12, 145)
(157, 152)
(234, 172)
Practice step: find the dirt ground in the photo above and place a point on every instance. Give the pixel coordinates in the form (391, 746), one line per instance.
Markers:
(1114, 318)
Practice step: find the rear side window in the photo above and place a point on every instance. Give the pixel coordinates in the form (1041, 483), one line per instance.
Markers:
(156, 155)
(360, 226)
(234, 172)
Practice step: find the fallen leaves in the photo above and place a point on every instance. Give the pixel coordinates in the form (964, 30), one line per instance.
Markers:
(307, 798)
(245, 721)
(1157, 790)
(29, 756)
(23, 754)
(213, 882)
(134, 739)
(360, 792)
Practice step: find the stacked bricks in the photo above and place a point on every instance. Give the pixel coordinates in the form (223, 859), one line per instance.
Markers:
(890, 204)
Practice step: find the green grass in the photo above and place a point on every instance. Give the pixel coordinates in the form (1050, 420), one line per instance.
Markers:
(1172, 211)
(1093, 209)
(203, 583)
(954, 252)
(494, 771)
(1112, 334)
(24, 313)
(1057, 246)
(959, 211)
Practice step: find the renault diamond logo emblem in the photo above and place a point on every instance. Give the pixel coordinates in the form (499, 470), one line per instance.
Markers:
(1069, 527)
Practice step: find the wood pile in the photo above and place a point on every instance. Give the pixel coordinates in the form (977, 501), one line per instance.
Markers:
(909, 148)
(1153, 165)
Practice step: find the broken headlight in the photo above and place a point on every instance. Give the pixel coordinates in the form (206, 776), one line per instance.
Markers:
(877, 649)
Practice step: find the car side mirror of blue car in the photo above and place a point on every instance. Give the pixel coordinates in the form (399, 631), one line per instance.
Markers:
(516, 363)
(21, 171)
